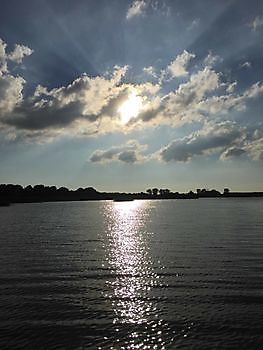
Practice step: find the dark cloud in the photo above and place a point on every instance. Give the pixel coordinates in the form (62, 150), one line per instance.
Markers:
(129, 153)
(233, 152)
(129, 156)
(50, 115)
(213, 137)
(226, 138)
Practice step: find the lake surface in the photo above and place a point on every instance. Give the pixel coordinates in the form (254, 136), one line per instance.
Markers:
(170, 274)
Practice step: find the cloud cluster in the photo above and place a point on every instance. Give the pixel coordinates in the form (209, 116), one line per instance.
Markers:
(85, 105)
(90, 105)
(136, 8)
(203, 97)
(86, 98)
(129, 153)
(139, 8)
(226, 138)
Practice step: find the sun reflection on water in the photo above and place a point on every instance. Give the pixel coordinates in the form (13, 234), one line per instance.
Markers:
(133, 275)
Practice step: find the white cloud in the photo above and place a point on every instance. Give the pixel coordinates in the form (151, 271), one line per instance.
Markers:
(11, 87)
(199, 99)
(257, 23)
(3, 57)
(151, 71)
(177, 68)
(212, 59)
(245, 65)
(182, 105)
(136, 8)
(19, 53)
(139, 7)
(254, 90)
(231, 87)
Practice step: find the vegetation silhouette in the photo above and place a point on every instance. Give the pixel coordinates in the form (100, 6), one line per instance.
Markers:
(10, 193)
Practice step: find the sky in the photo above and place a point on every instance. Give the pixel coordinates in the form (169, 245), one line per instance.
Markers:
(129, 95)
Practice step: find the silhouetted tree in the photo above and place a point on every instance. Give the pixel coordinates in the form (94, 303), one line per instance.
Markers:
(39, 188)
(63, 190)
(155, 191)
(149, 191)
(29, 188)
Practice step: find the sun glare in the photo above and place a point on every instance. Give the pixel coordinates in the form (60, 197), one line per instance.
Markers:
(130, 108)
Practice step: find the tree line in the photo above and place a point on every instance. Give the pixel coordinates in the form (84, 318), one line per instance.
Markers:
(10, 193)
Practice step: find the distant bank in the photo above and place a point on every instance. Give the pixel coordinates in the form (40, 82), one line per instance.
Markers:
(10, 193)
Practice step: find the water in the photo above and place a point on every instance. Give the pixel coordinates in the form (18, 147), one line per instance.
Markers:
(171, 274)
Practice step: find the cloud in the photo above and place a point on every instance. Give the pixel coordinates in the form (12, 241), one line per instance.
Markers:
(212, 59)
(226, 138)
(136, 9)
(129, 153)
(254, 90)
(255, 148)
(19, 53)
(183, 104)
(3, 57)
(245, 65)
(177, 68)
(230, 88)
(203, 97)
(150, 71)
(251, 147)
(233, 152)
(222, 104)
(205, 141)
(90, 105)
(86, 99)
(139, 7)
(194, 24)
(257, 23)
(11, 87)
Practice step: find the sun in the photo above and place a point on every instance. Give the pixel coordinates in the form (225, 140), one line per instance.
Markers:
(130, 108)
